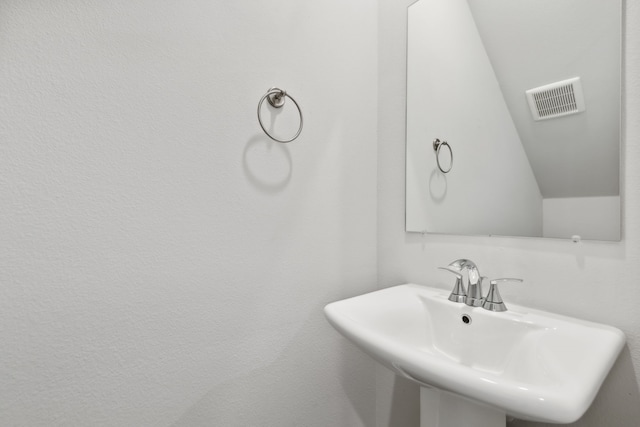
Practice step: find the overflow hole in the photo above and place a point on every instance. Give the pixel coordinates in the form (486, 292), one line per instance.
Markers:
(466, 319)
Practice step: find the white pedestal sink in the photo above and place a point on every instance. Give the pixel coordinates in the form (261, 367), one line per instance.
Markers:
(440, 409)
(476, 366)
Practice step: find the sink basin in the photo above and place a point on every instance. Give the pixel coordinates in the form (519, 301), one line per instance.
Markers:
(526, 363)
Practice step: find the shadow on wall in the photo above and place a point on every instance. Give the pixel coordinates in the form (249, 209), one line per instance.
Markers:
(286, 393)
(267, 164)
(438, 186)
(616, 405)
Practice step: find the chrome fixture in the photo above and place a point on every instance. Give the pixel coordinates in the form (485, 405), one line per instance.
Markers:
(437, 146)
(458, 294)
(473, 294)
(276, 98)
(474, 281)
(493, 301)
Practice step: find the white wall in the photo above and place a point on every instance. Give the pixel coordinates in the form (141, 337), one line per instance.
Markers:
(591, 280)
(161, 261)
(596, 218)
(479, 195)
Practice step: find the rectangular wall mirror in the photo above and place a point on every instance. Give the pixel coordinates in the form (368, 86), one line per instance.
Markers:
(526, 95)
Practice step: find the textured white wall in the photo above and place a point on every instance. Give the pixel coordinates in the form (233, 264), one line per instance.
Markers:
(591, 280)
(480, 195)
(161, 261)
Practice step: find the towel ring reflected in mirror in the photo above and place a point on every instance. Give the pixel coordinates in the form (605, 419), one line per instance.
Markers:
(437, 146)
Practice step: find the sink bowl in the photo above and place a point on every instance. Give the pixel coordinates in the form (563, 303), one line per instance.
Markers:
(526, 363)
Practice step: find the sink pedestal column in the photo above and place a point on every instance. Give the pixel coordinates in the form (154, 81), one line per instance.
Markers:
(440, 409)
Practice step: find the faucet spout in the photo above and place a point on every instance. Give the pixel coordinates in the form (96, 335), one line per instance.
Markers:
(474, 287)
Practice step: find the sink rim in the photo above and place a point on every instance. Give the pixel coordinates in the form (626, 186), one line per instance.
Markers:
(561, 403)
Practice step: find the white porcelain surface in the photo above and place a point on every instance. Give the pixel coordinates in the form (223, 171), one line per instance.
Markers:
(529, 363)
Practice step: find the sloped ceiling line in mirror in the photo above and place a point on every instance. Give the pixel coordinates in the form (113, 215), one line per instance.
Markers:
(532, 43)
(514, 176)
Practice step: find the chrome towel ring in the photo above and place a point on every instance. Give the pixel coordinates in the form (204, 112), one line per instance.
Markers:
(276, 98)
(437, 146)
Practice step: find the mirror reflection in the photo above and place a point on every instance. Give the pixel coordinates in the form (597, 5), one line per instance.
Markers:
(527, 96)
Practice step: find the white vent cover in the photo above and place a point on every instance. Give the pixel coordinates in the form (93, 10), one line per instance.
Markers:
(556, 99)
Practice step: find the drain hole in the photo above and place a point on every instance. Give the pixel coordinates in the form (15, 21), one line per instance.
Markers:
(466, 319)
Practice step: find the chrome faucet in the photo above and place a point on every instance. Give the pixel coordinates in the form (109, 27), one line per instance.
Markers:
(473, 294)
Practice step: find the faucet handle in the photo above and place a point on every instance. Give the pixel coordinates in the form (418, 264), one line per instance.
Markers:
(493, 301)
(458, 294)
